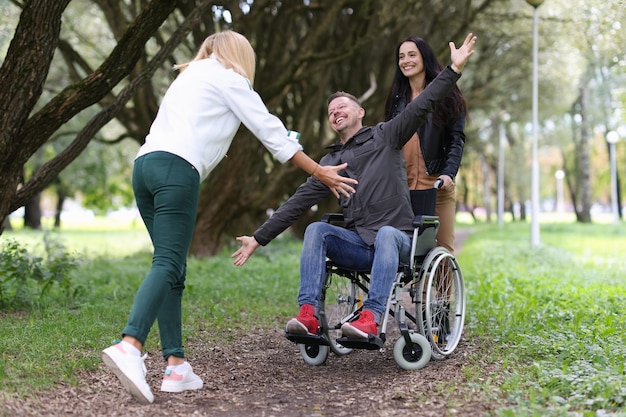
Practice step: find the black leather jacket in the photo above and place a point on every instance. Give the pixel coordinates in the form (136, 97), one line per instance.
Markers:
(374, 156)
(442, 146)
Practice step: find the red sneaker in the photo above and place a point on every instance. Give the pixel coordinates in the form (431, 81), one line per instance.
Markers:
(361, 327)
(305, 323)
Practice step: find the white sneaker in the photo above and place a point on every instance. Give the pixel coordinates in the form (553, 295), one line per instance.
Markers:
(130, 370)
(295, 327)
(175, 382)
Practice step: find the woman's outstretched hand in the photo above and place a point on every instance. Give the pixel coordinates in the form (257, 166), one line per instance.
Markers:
(329, 175)
(460, 56)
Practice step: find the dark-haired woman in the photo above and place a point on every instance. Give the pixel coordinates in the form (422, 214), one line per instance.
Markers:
(436, 149)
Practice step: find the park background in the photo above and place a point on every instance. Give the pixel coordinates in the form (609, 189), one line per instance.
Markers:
(80, 83)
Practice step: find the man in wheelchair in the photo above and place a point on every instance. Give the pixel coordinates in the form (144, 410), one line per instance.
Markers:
(378, 218)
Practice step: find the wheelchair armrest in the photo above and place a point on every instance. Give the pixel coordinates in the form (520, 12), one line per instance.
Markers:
(423, 221)
(332, 218)
(424, 234)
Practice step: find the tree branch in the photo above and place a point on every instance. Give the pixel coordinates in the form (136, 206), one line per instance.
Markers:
(98, 84)
(52, 168)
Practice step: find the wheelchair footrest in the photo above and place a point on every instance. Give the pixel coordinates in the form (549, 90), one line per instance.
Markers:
(306, 339)
(371, 343)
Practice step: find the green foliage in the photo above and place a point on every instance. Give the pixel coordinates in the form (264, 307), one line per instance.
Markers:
(554, 315)
(103, 175)
(28, 280)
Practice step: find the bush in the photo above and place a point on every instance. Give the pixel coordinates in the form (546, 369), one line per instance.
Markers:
(26, 280)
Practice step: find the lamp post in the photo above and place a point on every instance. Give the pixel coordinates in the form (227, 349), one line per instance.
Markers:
(612, 138)
(534, 184)
(503, 119)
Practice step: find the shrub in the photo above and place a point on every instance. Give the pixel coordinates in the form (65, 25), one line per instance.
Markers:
(26, 280)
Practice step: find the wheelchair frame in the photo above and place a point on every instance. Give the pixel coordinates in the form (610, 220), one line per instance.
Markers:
(431, 286)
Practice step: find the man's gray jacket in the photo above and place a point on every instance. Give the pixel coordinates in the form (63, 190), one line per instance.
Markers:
(374, 157)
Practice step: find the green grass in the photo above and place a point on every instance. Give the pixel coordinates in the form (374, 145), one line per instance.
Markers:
(553, 315)
(66, 334)
(549, 320)
(96, 238)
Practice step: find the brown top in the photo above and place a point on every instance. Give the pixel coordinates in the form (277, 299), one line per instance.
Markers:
(416, 173)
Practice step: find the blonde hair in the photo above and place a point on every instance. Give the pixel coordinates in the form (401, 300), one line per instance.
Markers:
(232, 49)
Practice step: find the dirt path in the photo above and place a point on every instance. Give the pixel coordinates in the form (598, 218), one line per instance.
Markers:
(263, 374)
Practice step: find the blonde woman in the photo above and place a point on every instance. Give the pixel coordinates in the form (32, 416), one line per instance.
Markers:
(194, 127)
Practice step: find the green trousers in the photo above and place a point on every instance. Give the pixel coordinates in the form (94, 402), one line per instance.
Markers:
(166, 190)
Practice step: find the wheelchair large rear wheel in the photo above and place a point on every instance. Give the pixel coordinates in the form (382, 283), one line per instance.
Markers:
(340, 298)
(441, 301)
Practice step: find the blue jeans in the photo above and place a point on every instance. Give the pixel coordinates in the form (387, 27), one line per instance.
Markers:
(347, 249)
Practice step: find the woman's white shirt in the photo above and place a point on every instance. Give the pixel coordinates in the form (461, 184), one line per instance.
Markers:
(201, 112)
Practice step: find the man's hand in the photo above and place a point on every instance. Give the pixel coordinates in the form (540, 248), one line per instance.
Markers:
(337, 184)
(248, 246)
(460, 56)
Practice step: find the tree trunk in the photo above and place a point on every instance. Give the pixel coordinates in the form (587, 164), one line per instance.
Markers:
(32, 213)
(6, 224)
(486, 175)
(61, 197)
(22, 77)
(619, 196)
(584, 158)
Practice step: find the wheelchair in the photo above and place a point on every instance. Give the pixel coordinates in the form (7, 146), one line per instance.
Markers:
(426, 301)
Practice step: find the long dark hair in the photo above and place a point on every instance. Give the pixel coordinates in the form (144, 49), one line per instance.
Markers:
(453, 107)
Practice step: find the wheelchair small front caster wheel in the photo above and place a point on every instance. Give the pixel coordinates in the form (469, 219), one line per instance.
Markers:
(412, 357)
(314, 354)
